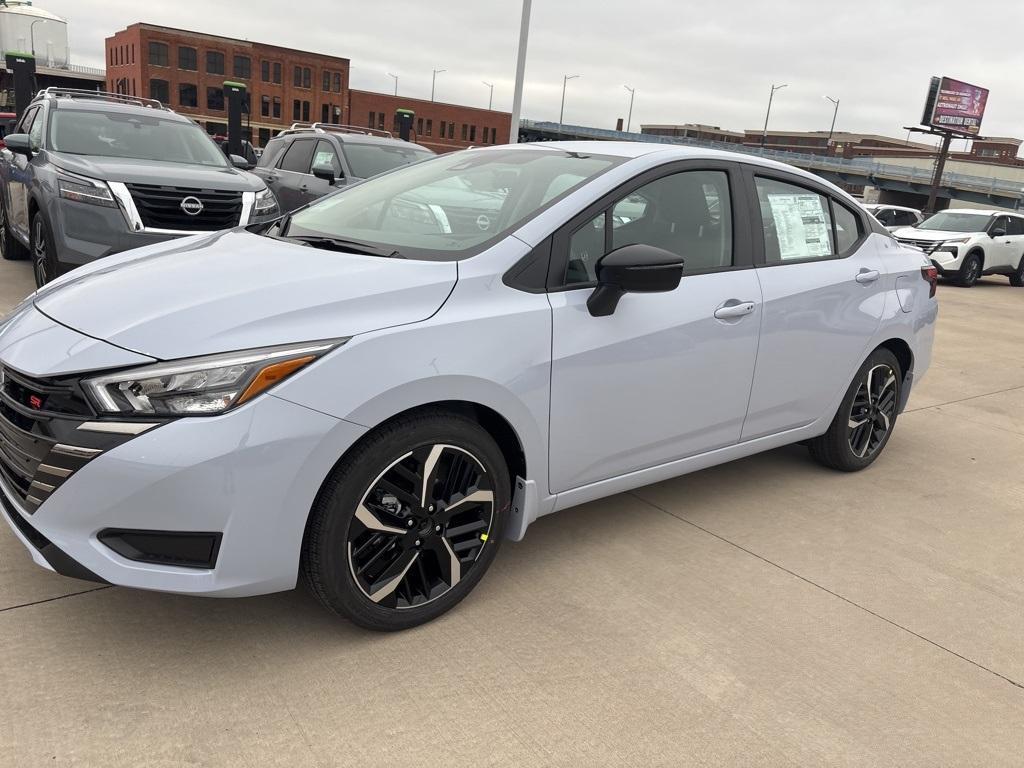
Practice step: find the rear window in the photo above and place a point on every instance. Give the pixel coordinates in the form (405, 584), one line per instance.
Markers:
(298, 156)
(366, 159)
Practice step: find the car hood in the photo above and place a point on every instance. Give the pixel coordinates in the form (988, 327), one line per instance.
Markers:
(929, 235)
(132, 171)
(235, 290)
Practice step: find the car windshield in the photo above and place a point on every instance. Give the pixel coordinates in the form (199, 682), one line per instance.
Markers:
(132, 135)
(956, 222)
(368, 160)
(452, 206)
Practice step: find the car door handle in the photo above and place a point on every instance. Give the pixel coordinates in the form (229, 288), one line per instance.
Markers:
(866, 276)
(732, 311)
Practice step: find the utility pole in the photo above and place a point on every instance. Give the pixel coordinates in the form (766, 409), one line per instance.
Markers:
(764, 134)
(490, 99)
(561, 112)
(835, 114)
(396, 82)
(433, 81)
(517, 96)
(632, 94)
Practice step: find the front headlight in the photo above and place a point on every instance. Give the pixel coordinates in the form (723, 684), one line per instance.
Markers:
(266, 204)
(202, 386)
(952, 245)
(85, 190)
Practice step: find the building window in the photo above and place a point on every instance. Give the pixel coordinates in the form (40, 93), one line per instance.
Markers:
(419, 125)
(472, 133)
(337, 82)
(265, 71)
(307, 77)
(451, 130)
(264, 135)
(265, 106)
(187, 58)
(305, 111)
(430, 126)
(325, 114)
(277, 72)
(380, 121)
(440, 128)
(465, 131)
(187, 95)
(215, 99)
(243, 67)
(494, 135)
(214, 63)
(160, 90)
(373, 120)
(158, 56)
(277, 107)
(326, 85)
(296, 110)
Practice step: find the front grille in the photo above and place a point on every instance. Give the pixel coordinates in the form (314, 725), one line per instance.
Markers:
(928, 246)
(161, 207)
(35, 417)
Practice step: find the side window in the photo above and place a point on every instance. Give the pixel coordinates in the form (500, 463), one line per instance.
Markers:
(797, 223)
(35, 133)
(847, 227)
(1016, 226)
(325, 155)
(888, 217)
(689, 214)
(298, 156)
(904, 219)
(1003, 222)
(26, 121)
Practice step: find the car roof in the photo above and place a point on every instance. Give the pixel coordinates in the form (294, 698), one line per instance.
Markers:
(876, 206)
(80, 104)
(982, 212)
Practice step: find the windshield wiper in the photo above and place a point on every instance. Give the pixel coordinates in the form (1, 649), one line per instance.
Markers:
(341, 244)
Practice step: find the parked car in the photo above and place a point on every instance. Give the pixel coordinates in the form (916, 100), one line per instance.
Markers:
(87, 174)
(207, 417)
(249, 154)
(7, 122)
(894, 217)
(966, 244)
(305, 162)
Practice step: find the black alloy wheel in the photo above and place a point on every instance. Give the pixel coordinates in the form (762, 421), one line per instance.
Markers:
(42, 259)
(970, 270)
(873, 411)
(409, 521)
(421, 526)
(1017, 277)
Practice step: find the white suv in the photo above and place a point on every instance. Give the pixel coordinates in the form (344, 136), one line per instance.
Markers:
(964, 245)
(894, 217)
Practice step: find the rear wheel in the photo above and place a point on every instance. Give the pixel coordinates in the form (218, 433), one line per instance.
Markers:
(43, 256)
(866, 417)
(408, 523)
(10, 248)
(970, 270)
(1017, 276)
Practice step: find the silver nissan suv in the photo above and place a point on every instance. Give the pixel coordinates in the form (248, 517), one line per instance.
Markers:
(86, 174)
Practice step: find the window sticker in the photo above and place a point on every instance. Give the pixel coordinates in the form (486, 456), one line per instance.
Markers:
(801, 225)
(323, 157)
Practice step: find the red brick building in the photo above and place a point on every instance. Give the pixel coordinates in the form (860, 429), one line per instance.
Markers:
(440, 127)
(186, 71)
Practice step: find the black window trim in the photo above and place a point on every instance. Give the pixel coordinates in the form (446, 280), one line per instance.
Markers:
(755, 172)
(307, 139)
(742, 245)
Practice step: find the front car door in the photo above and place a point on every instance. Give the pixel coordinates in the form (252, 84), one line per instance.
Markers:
(292, 184)
(663, 377)
(324, 154)
(1016, 237)
(824, 288)
(21, 172)
(1000, 251)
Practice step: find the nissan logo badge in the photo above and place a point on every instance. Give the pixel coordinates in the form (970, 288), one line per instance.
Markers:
(193, 206)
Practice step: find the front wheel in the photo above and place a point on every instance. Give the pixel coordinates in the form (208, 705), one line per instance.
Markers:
(970, 270)
(43, 256)
(1017, 276)
(866, 417)
(408, 522)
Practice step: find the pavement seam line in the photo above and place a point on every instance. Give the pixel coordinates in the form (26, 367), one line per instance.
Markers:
(806, 580)
(51, 599)
(964, 399)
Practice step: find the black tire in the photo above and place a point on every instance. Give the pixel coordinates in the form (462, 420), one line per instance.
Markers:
(368, 519)
(856, 436)
(970, 270)
(1017, 276)
(44, 263)
(10, 248)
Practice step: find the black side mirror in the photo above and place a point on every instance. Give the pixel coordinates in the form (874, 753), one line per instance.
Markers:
(997, 232)
(20, 144)
(240, 162)
(633, 269)
(324, 171)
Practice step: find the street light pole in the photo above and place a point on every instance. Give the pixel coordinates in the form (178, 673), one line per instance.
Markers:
(632, 94)
(396, 82)
(835, 114)
(764, 134)
(433, 81)
(490, 99)
(561, 112)
(517, 95)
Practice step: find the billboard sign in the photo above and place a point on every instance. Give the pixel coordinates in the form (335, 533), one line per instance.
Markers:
(955, 106)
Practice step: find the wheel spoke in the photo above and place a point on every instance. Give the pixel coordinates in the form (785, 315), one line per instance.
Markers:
(476, 497)
(428, 470)
(392, 577)
(373, 523)
(447, 560)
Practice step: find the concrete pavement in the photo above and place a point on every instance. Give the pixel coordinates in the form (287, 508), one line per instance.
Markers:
(767, 612)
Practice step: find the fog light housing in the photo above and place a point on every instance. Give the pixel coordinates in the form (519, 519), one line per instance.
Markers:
(180, 548)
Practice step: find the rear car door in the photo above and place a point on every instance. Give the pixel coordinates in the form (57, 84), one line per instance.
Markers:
(1000, 251)
(824, 293)
(667, 375)
(1016, 237)
(292, 185)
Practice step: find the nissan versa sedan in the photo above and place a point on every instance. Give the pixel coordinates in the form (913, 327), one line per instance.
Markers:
(371, 394)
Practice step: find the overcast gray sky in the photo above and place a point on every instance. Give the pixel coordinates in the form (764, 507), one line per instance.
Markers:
(696, 62)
